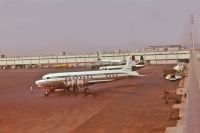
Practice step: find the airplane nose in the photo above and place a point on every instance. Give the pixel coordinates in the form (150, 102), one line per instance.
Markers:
(38, 83)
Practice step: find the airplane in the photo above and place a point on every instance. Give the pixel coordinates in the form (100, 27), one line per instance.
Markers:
(75, 80)
(103, 62)
(138, 65)
(179, 67)
(176, 73)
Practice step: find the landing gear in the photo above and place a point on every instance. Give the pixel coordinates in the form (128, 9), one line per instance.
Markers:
(87, 90)
(68, 89)
(46, 92)
(75, 89)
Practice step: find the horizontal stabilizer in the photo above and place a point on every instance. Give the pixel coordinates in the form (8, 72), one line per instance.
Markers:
(142, 75)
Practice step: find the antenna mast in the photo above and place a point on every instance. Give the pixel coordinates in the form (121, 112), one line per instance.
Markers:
(193, 33)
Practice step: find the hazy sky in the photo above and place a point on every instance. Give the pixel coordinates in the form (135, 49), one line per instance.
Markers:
(43, 27)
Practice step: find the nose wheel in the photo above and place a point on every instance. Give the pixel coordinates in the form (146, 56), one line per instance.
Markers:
(46, 92)
(87, 91)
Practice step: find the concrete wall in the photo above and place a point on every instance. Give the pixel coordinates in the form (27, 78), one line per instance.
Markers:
(192, 112)
(165, 57)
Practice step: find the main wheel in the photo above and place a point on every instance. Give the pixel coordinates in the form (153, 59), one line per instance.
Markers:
(87, 91)
(46, 93)
(68, 90)
(75, 89)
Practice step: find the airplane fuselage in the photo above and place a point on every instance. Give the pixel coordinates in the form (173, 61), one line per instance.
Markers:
(74, 80)
(50, 80)
(118, 67)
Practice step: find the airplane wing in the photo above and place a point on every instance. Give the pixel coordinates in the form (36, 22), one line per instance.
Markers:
(99, 81)
(62, 82)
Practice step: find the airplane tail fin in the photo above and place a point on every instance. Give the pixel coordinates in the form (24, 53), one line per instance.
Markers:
(130, 64)
(141, 61)
(99, 56)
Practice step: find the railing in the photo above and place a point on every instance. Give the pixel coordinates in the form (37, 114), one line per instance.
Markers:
(151, 56)
(196, 66)
(192, 110)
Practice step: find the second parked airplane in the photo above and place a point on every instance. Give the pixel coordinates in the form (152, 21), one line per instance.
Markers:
(105, 62)
(138, 65)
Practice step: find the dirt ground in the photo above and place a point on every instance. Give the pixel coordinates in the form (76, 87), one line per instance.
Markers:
(130, 105)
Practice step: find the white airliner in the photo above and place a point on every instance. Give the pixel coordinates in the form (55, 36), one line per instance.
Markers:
(177, 74)
(103, 62)
(179, 67)
(66, 80)
(138, 65)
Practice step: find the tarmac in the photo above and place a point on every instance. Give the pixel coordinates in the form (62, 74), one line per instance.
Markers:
(131, 105)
